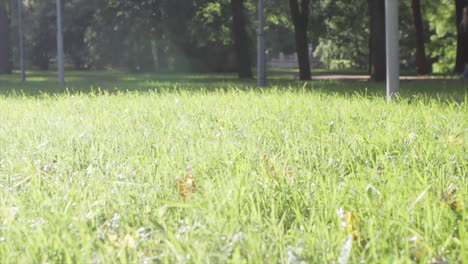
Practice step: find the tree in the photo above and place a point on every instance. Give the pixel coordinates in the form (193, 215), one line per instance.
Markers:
(421, 61)
(6, 63)
(241, 39)
(343, 33)
(40, 32)
(216, 35)
(300, 17)
(442, 49)
(74, 29)
(154, 35)
(377, 47)
(459, 63)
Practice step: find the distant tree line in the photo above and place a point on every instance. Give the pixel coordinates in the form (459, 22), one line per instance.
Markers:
(218, 35)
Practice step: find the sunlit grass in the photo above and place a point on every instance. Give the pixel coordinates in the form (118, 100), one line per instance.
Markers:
(285, 174)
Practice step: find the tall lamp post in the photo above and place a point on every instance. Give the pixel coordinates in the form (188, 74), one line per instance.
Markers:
(60, 55)
(261, 75)
(392, 35)
(20, 36)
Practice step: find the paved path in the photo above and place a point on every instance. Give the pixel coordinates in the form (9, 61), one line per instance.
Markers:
(367, 77)
(326, 76)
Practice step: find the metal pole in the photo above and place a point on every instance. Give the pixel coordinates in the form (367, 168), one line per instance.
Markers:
(21, 44)
(392, 35)
(60, 55)
(261, 75)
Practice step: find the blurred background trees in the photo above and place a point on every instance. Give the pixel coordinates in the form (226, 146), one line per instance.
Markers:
(219, 35)
(6, 63)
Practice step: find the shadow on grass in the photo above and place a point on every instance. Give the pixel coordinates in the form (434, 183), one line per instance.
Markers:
(111, 82)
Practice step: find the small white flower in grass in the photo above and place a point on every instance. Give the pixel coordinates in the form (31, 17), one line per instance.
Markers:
(410, 138)
(342, 214)
(331, 126)
(36, 222)
(49, 168)
(114, 222)
(144, 233)
(89, 215)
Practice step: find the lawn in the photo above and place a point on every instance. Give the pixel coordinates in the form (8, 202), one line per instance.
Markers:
(208, 169)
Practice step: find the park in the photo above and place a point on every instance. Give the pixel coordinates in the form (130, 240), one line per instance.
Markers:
(174, 132)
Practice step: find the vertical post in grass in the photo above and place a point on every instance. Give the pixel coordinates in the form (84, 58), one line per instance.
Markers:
(261, 75)
(20, 36)
(60, 53)
(393, 54)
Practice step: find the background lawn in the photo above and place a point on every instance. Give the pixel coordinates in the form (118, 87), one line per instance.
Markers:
(185, 169)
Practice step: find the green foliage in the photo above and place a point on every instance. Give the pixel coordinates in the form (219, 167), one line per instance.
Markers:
(346, 33)
(340, 64)
(212, 23)
(161, 35)
(443, 34)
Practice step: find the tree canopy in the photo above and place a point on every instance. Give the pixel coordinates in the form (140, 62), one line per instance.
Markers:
(218, 35)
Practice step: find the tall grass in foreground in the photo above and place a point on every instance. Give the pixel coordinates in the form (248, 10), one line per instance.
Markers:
(280, 176)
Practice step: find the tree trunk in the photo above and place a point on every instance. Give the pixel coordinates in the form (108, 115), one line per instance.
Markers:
(378, 60)
(421, 60)
(300, 17)
(6, 63)
(459, 64)
(369, 56)
(241, 40)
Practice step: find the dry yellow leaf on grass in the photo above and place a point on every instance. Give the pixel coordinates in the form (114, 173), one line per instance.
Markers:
(456, 140)
(448, 198)
(128, 242)
(350, 223)
(353, 224)
(269, 165)
(287, 174)
(186, 186)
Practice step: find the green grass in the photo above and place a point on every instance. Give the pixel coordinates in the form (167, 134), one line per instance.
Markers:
(283, 174)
